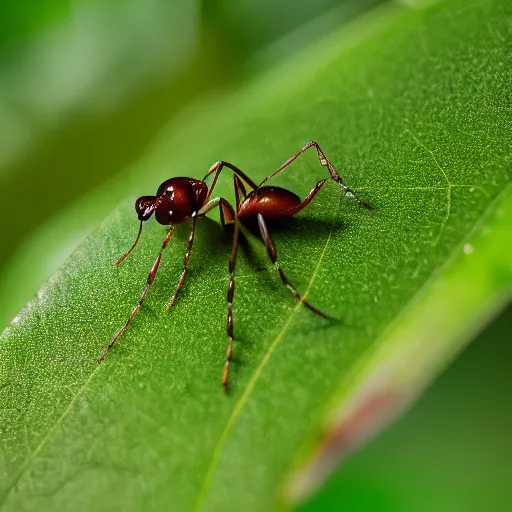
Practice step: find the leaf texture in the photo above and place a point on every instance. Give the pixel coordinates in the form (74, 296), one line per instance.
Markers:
(412, 106)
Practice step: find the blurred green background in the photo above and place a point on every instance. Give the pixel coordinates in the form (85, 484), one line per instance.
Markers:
(86, 85)
(451, 452)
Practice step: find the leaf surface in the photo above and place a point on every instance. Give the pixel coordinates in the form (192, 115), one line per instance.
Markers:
(412, 106)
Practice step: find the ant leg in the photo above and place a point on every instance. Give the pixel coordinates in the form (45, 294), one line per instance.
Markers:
(151, 278)
(210, 205)
(272, 254)
(185, 262)
(217, 169)
(239, 193)
(311, 195)
(227, 214)
(231, 294)
(325, 162)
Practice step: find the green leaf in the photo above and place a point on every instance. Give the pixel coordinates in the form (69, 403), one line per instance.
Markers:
(411, 107)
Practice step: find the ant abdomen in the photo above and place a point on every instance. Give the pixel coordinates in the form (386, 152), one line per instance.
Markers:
(271, 202)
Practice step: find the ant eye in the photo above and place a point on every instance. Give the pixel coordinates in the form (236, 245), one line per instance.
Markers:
(145, 206)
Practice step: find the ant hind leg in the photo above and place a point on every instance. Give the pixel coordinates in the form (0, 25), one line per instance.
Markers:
(272, 253)
(349, 194)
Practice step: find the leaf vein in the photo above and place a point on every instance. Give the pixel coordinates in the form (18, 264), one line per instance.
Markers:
(49, 434)
(352, 379)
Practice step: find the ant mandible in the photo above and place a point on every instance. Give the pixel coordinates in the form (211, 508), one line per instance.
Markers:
(180, 199)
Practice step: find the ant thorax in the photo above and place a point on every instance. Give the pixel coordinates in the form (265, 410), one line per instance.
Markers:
(177, 199)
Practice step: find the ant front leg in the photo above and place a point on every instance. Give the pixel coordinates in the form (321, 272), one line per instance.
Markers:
(272, 254)
(349, 194)
(185, 262)
(151, 278)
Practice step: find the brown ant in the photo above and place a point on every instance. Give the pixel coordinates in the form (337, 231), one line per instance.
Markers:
(179, 199)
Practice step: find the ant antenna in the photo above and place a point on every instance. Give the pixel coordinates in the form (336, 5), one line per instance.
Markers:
(131, 248)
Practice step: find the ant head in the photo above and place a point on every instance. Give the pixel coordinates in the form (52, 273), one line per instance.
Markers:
(145, 206)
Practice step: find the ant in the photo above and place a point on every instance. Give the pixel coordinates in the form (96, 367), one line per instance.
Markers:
(180, 199)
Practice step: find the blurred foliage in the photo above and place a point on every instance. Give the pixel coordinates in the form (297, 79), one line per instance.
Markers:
(248, 25)
(23, 18)
(450, 453)
(82, 99)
